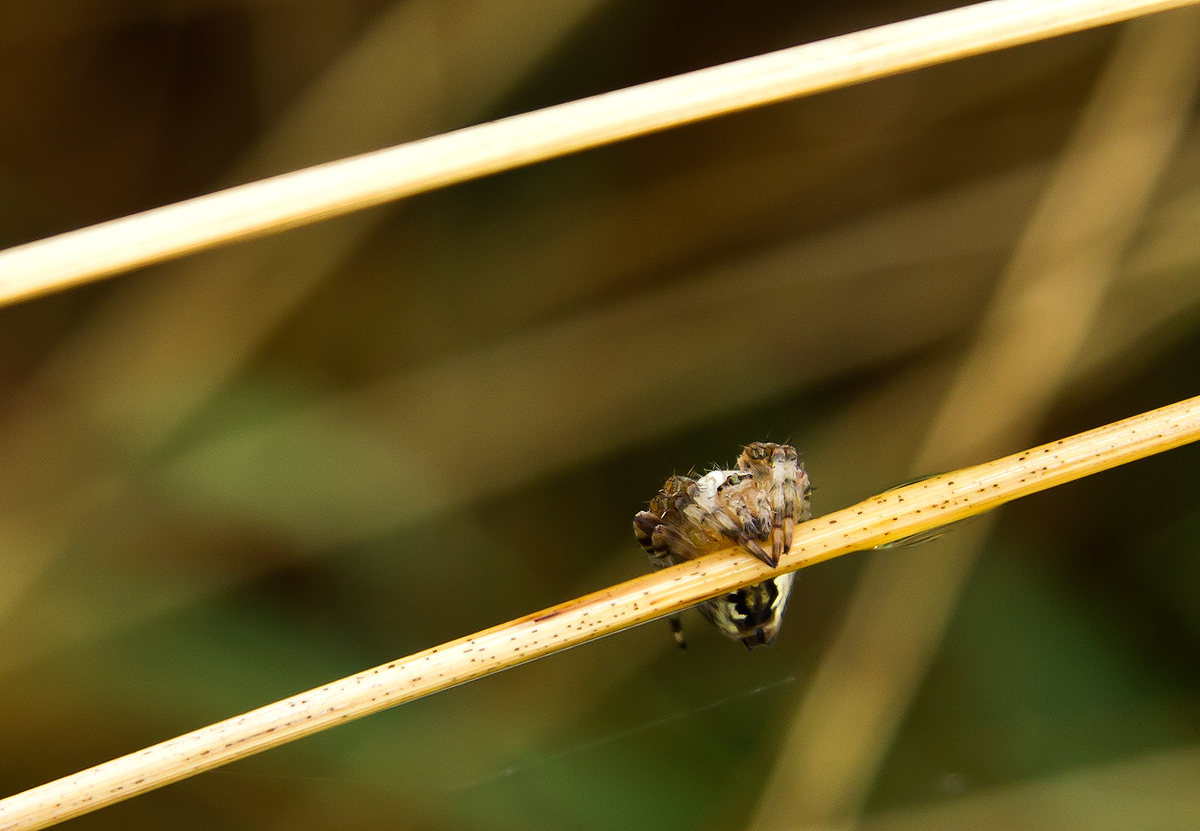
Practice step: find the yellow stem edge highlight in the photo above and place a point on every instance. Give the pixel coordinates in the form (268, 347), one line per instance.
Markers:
(885, 518)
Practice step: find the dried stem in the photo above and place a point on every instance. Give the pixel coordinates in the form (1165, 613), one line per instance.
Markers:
(881, 519)
(349, 185)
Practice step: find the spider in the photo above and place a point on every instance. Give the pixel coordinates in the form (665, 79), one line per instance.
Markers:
(756, 506)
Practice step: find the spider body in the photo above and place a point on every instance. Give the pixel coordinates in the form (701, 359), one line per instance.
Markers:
(756, 506)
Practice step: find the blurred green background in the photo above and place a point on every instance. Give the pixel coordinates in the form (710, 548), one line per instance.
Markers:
(233, 477)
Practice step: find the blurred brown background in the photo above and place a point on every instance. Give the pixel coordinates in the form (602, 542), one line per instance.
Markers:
(239, 475)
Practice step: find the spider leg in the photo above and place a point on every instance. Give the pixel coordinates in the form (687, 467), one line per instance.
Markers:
(644, 526)
(751, 545)
(677, 630)
(783, 515)
(736, 522)
(777, 469)
(665, 545)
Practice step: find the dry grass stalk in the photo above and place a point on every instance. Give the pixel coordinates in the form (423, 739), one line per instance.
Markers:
(882, 519)
(351, 184)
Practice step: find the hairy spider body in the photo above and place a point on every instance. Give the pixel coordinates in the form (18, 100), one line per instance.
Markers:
(756, 506)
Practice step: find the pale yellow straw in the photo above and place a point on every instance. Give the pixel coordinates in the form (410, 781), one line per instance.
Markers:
(348, 185)
(879, 520)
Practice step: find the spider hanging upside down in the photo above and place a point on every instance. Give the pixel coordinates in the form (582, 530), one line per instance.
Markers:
(756, 506)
